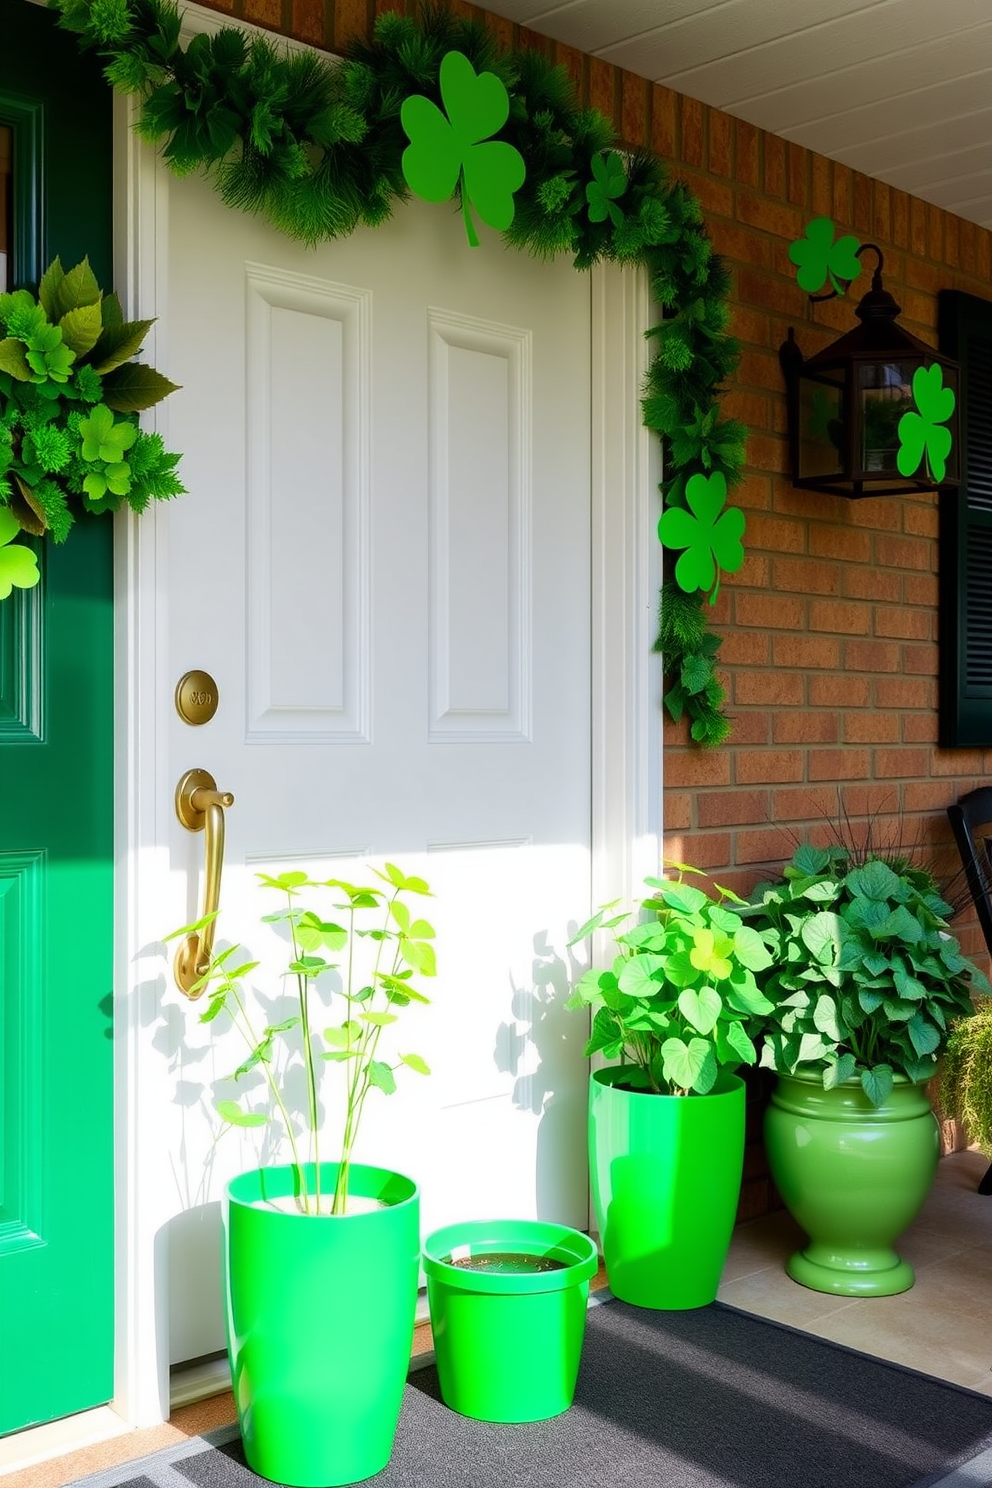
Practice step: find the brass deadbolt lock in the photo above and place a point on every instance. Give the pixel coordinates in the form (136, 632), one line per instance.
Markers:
(196, 697)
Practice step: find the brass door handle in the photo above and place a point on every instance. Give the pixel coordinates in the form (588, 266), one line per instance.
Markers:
(200, 805)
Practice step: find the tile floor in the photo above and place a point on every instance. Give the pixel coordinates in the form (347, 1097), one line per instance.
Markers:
(942, 1326)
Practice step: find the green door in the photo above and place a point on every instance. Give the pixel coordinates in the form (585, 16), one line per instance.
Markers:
(56, 804)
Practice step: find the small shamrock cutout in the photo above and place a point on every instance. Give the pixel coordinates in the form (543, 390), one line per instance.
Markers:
(712, 542)
(18, 565)
(445, 152)
(922, 435)
(609, 181)
(819, 258)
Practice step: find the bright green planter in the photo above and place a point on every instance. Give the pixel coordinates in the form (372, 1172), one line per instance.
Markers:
(853, 1176)
(320, 1315)
(666, 1178)
(508, 1346)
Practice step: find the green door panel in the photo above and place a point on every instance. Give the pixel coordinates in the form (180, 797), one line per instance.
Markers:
(56, 814)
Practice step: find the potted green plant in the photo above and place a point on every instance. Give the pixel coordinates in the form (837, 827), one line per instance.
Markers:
(864, 985)
(666, 1122)
(321, 1258)
(963, 1090)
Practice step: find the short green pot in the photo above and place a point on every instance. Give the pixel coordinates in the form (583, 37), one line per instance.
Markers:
(666, 1179)
(854, 1176)
(320, 1315)
(508, 1346)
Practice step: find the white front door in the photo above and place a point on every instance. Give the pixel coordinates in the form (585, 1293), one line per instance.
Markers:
(384, 563)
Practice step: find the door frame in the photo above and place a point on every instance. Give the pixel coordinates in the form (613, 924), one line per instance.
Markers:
(626, 724)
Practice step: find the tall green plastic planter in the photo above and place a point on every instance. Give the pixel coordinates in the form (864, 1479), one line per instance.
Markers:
(854, 1176)
(508, 1345)
(666, 1178)
(320, 1315)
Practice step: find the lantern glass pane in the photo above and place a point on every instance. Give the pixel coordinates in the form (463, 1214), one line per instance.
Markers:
(885, 393)
(821, 426)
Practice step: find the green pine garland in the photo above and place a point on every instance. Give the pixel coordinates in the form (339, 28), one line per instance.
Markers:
(315, 148)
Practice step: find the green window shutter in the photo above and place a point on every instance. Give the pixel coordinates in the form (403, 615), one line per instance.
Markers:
(965, 325)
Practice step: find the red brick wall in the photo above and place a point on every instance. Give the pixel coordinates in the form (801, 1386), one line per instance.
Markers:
(830, 629)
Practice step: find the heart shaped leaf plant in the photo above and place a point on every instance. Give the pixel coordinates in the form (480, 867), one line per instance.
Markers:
(678, 1002)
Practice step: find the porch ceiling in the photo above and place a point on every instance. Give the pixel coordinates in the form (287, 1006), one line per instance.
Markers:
(899, 89)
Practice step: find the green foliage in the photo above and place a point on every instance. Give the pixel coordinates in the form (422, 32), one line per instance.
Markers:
(357, 967)
(317, 149)
(819, 258)
(922, 435)
(457, 149)
(65, 370)
(866, 978)
(689, 650)
(964, 1090)
(681, 994)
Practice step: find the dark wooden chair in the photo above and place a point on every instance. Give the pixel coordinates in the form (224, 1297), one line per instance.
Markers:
(971, 821)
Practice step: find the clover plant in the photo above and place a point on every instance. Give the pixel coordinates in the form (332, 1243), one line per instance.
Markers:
(69, 400)
(865, 979)
(352, 963)
(681, 993)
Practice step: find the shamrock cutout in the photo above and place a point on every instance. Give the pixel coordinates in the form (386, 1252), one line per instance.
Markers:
(445, 152)
(819, 258)
(921, 434)
(711, 541)
(18, 565)
(610, 181)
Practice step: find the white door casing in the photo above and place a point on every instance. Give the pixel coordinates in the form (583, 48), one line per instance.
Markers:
(625, 743)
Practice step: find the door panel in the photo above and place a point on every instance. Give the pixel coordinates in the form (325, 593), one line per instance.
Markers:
(384, 561)
(56, 817)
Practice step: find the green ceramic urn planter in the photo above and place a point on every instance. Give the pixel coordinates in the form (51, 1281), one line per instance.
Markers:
(508, 1303)
(854, 1176)
(320, 1315)
(666, 1178)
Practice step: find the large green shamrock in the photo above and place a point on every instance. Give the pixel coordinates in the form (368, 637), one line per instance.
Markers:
(609, 181)
(711, 541)
(921, 434)
(819, 258)
(18, 565)
(444, 152)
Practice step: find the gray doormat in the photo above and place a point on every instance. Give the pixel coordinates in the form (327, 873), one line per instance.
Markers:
(712, 1398)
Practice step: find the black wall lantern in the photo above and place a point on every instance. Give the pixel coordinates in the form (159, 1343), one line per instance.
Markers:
(847, 406)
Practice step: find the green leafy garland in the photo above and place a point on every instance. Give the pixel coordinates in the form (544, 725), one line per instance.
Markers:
(316, 149)
(69, 400)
